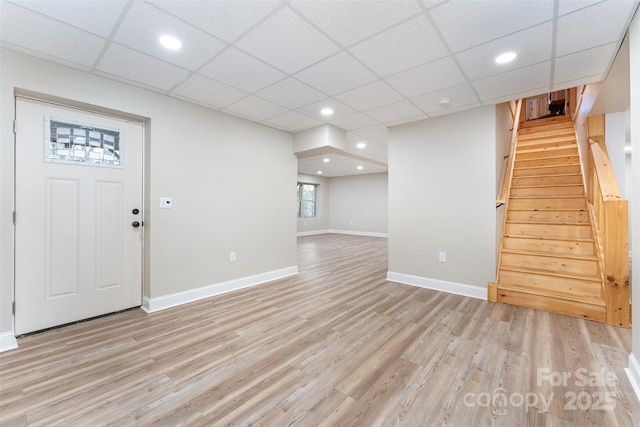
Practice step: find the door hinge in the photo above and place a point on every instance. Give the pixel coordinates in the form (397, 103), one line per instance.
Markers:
(15, 126)
(13, 308)
(14, 217)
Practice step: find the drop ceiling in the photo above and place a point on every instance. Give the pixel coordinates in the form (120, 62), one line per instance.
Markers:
(376, 63)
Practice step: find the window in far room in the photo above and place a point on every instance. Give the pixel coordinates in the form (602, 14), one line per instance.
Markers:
(307, 200)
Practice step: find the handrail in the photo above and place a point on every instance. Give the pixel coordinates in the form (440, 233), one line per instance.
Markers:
(510, 156)
(610, 213)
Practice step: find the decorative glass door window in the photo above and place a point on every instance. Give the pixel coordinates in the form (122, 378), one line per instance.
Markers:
(73, 142)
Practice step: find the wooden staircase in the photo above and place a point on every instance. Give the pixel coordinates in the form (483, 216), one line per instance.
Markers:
(548, 257)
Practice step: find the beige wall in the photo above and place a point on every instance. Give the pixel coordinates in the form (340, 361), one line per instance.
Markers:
(634, 198)
(356, 204)
(359, 203)
(322, 221)
(232, 183)
(442, 183)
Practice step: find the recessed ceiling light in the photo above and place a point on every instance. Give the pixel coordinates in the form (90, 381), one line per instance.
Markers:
(503, 58)
(170, 42)
(361, 145)
(444, 101)
(326, 111)
(360, 168)
(326, 160)
(319, 172)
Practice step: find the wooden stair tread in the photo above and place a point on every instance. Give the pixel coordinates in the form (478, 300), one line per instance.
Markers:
(550, 254)
(546, 149)
(554, 294)
(541, 272)
(547, 197)
(563, 156)
(547, 186)
(567, 239)
(543, 167)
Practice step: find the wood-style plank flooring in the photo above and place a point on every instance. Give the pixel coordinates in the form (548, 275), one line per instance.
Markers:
(336, 345)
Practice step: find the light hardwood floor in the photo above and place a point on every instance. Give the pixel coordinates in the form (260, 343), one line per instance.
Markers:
(336, 345)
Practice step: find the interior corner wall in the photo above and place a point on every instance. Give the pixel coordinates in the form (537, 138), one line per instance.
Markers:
(442, 183)
(359, 203)
(634, 194)
(231, 180)
(504, 130)
(321, 223)
(614, 129)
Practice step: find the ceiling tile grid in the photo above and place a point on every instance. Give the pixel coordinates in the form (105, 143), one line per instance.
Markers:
(377, 63)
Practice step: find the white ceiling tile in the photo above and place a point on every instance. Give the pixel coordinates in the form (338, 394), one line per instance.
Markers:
(427, 78)
(242, 71)
(293, 121)
(596, 25)
(513, 81)
(532, 45)
(459, 96)
(287, 42)
(378, 133)
(407, 119)
(515, 96)
(455, 109)
(337, 74)
(393, 112)
(209, 91)
(353, 121)
(349, 22)
(96, 16)
(138, 67)
(405, 46)
(582, 64)
(256, 108)
(577, 82)
(339, 109)
(226, 19)
(291, 93)
(464, 24)
(32, 31)
(370, 96)
(144, 25)
(340, 165)
(565, 7)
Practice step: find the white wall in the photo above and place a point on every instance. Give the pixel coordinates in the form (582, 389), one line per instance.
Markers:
(442, 184)
(614, 125)
(359, 203)
(321, 222)
(356, 204)
(504, 131)
(634, 198)
(232, 183)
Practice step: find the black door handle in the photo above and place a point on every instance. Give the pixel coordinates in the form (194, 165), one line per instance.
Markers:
(135, 224)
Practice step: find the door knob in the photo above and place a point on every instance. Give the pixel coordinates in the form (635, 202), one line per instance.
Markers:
(135, 224)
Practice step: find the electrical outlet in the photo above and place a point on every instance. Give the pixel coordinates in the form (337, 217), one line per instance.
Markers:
(443, 257)
(232, 257)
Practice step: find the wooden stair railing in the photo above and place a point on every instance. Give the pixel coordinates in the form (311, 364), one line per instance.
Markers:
(610, 218)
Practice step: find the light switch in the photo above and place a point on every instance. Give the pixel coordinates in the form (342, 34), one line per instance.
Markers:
(165, 202)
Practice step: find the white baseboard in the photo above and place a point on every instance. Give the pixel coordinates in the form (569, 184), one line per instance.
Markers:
(349, 232)
(438, 285)
(633, 372)
(8, 341)
(151, 305)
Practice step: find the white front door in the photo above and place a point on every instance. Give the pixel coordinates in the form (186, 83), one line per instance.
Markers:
(78, 249)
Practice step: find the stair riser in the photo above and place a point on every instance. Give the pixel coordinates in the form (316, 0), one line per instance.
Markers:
(536, 142)
(548, 216)
(531, 154)
(551, 161)
(551, 246)
(551, 263)
(569, 308)
(552, 170)
(546, 180)
(574, 190)
(530, 127)
(547, 204)
(551, 285)
(549, 230)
